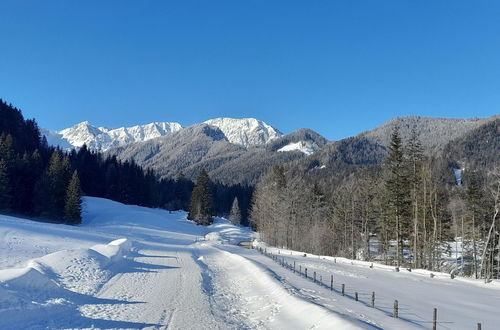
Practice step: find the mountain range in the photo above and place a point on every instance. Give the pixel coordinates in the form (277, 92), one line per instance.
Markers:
(245, 132)
(239, 151)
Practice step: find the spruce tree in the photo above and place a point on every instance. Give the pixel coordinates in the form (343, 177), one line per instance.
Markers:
(235, 215)
(398, 191)
(5, 195)
(51, 188)
(201, 206)
(73, 206)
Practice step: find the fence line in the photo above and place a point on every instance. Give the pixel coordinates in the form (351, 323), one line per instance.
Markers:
(280, 259)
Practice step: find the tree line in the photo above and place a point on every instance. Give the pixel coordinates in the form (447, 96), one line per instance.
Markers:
(406, 211)
(41, 181)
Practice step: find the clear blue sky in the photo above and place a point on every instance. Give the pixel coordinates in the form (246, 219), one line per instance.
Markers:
(337, 66)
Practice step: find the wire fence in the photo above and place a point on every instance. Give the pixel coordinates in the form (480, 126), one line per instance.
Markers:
(367, 298)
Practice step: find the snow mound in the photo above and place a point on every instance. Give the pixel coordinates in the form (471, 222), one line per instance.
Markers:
(213, 236)
(81, 270)
(27, 279)
(114, 250)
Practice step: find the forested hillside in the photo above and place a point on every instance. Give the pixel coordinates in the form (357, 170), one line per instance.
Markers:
(202, 146)
(478, 148)
(433, 133)
(403, 196)
(41, 181)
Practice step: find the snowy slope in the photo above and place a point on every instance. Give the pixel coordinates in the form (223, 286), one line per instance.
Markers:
(246, 132)
(101, 138)
(306, 147)
(129, 267)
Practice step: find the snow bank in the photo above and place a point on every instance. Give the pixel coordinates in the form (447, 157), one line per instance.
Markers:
(48, 276)
(27, 279)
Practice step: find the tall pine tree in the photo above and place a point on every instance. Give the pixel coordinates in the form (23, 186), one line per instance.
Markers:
(398, 191)
(51, 188)
(201, 207)
(73, 206)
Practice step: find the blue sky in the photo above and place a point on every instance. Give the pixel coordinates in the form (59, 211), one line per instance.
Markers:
(338, 67)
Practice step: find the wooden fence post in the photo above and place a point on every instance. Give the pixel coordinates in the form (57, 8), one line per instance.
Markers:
(300, 269)
(373, 299)
(294, 266)
(306, 272)
(434, 319)
(479, 326)
(314, 279)
(343, 289)
(331, 283)
(395, 313)
(356, 296)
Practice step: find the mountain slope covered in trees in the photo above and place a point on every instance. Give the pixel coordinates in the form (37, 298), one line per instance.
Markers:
(205, 146)
(403, 195)
(433, 133)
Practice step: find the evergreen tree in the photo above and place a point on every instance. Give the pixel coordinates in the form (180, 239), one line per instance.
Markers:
(235, 215)
(5, 196)
(398, 192)
(201, 206)
(51, 188)
(73, 205)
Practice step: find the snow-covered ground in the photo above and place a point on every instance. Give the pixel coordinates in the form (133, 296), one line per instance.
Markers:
(133, 267)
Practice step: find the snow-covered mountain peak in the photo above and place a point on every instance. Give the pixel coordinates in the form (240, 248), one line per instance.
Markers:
(102, 138)
(246, 131)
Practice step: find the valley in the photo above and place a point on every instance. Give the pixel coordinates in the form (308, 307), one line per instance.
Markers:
(161, 271)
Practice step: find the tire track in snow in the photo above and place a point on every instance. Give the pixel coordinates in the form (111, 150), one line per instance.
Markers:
(155, 287)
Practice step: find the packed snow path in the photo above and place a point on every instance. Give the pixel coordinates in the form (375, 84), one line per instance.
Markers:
(132, 267)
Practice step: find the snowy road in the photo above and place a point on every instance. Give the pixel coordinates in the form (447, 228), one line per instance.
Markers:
(166, 287)
(129, 267)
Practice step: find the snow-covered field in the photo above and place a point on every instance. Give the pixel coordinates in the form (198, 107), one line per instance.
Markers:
(133, 267)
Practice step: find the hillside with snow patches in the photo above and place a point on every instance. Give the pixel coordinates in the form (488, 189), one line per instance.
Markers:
(129, 267)
(306, 147)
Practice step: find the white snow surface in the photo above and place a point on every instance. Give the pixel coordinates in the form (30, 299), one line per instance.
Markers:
(306, 147)
(129, 267)
(102, 138)
(246, 131)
